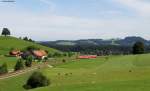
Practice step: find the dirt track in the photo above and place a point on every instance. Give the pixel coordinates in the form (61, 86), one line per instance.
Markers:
(13, 74)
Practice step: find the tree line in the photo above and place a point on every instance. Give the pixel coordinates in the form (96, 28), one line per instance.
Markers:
(100, 49)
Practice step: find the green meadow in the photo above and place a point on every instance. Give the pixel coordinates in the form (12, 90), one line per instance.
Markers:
(7, 43)
(10, 61)
(111, 73)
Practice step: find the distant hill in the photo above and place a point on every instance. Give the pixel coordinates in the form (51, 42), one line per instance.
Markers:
(6, 43)
(98, 46)
(128, 41)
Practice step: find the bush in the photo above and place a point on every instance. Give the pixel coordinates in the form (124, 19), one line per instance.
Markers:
(57, 54)
(45, 59)
(19, 65)
(64, 54)
(3, 69)
(30, 48)
(64, 61)
(50, 55)
(70, 54)
(37, 79)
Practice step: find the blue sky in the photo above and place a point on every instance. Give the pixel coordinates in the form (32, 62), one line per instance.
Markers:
(76, 19)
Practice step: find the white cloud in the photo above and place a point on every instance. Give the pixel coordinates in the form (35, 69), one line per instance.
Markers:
(52, 27)
(142, 7)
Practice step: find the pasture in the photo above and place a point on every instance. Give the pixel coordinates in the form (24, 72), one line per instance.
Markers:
(11, 61)
(112, 73)
(7, 43)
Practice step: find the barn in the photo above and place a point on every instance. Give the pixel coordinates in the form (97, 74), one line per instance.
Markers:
(87, 56)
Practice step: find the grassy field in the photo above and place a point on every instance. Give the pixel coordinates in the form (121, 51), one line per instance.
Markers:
(11, 61)
(6, 43)
(113, 73)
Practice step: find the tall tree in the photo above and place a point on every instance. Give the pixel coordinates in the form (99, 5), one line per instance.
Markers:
(138, 48)
(6, 31)
(28, 62)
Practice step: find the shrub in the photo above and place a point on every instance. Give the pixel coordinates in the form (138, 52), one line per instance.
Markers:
(64, 54)
(19, 65)
(3, 69)
(31, 48)
(57, 54)
(45, 59)
(70, 54)
(50, 55)
(37, 79)
(28, 39)
(25, 38)
(64, 61)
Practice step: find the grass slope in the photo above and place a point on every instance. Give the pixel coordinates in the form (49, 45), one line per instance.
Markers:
(11, 61)
(114, 73)
(6, 43)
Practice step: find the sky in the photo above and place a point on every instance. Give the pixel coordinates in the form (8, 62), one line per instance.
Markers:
(46, 20)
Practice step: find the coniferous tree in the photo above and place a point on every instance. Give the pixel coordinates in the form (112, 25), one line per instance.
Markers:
(3, 68)
(138, 48)
(19, 65)
(28, 62)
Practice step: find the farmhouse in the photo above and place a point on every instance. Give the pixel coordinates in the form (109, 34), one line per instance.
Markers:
(87, 56)
(37, 54)
(40, 54)
(15, 53)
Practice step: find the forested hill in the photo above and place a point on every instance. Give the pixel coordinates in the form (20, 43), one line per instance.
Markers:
(128, 41)
(98, 46)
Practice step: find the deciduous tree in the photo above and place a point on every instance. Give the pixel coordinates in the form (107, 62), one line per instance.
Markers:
(6, 32)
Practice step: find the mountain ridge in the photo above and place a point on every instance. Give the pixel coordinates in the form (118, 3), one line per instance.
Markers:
(127, 41)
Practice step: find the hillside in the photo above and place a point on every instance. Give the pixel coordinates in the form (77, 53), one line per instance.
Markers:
(128, 41)
(111, 73)
(98, 46)
(6, 43)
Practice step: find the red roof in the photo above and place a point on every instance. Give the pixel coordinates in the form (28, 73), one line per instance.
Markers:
(39, 53)
(15, 52)
(87, 56)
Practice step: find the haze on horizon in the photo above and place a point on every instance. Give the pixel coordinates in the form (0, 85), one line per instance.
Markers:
(76, 19)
